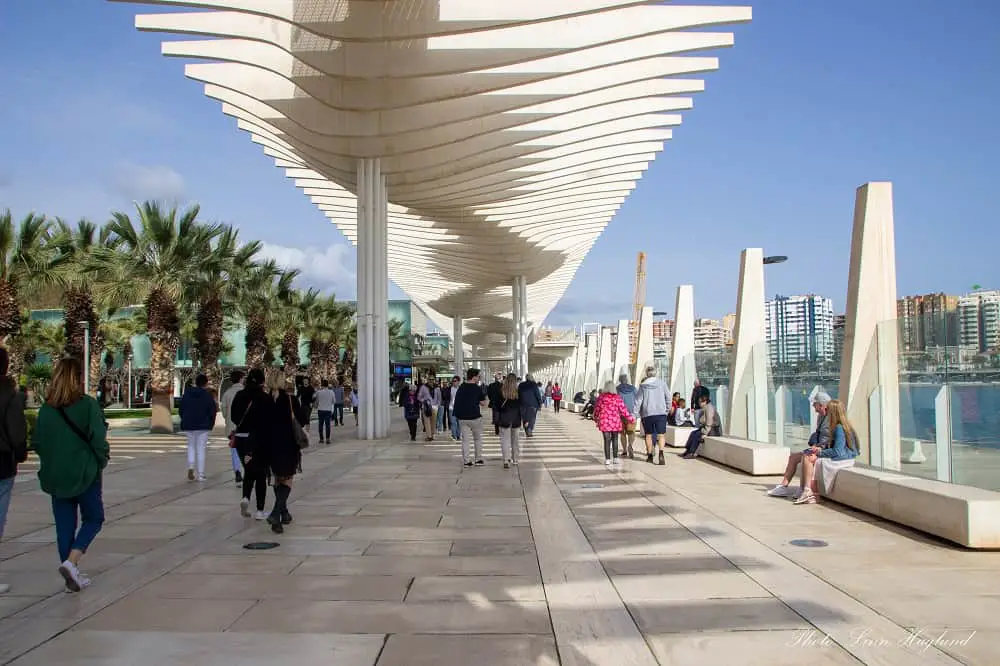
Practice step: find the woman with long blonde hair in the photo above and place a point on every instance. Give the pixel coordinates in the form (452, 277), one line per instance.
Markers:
(70, 439)
(509, 420)
(844, 448)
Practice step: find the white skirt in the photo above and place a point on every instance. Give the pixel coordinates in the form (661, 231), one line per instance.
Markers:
(826, 473)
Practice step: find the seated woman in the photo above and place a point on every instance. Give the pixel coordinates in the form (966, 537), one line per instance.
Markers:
(843, 447)
(709, 424)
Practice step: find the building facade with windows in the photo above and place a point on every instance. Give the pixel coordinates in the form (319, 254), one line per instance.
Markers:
(928, 321)
(799, 329)
(979, 321)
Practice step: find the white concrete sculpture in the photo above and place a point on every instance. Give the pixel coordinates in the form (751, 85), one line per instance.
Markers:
(605, 367)
(747, 415)
(508, 132)
(590, 365)
(682, 365)
(644, 344)
(622, 358)
(869, 372)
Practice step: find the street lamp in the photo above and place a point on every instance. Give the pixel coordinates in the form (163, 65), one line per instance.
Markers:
(86, 356)
(776, 259)
(659, 313)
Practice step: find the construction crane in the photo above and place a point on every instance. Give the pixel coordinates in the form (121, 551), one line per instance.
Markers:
(638, 303)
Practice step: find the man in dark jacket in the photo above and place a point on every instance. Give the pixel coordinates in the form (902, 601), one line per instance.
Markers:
(495, 393)
(197, 411)
(13, 440)
(530, 397)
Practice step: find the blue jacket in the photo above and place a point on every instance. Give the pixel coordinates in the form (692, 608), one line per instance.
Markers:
(627, 392)
(840, 450)
(529, 395)
(197, 410)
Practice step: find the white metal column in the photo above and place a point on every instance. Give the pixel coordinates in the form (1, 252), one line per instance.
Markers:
(515, 296)
(373, 301)
(458, 332)
(522, 313)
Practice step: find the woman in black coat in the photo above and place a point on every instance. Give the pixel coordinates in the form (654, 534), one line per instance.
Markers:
(253, 412)
(283, 454)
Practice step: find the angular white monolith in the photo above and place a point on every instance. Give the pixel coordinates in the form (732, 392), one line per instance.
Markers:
(644, 345)
(605, 367)
(590, 363)
(869, 373)
(682, 367)
(622, 358)
(748, 369)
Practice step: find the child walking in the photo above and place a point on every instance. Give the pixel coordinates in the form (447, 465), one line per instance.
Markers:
(609, 413)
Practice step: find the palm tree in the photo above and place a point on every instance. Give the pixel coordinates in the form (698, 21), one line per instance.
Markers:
(27, 263)
(151, 262)
(263, 285)
(296, 312)
(77, 246)
(221, 268)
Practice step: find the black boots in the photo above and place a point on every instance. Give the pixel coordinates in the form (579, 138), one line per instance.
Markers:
(649, 457)
(663, 461)
(280, 510)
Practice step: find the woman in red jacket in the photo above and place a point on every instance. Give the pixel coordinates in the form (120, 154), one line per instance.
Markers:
(609, 412)
(556, 397)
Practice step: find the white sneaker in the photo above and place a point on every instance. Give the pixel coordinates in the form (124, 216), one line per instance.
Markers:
(618, 462)
(71, 575)
(84, 584)
(260, 515)
(608, 462)
(202, 478)
(780, 491)
(245, 507)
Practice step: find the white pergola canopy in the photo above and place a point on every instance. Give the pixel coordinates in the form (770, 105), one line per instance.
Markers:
(509, 131)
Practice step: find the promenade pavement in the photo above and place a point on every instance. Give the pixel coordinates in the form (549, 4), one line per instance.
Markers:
(398, 556)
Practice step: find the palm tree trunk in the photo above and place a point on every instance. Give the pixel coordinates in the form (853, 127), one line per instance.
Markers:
(208, 340)
(290, 351)
(79, 306)
(164, 339)
(256, 340)
(10, 322)
(316, 361)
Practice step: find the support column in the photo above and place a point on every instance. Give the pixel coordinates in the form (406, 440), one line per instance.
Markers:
(747, 417)
(522, 313)
(604, 367)
(622, 360)
(458, 331)
(515, 316)
(373, 301)
(682, 367)
(869, 372)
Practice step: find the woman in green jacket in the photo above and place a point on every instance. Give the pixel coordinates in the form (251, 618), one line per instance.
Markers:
(70, 439)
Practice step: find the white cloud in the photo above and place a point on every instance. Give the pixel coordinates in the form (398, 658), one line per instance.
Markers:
(139, 182)
(329, 269)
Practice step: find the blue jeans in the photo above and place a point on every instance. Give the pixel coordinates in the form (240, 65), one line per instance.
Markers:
(6, 490)
(324, 418)
(440, 418)
(455, 432)
(338, 414)
(90, 505)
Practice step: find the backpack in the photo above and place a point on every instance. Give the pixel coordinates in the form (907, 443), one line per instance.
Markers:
(411, 409)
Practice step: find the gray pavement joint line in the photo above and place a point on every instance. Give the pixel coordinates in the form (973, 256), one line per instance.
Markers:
(631, 635)
(707, 538)
(135, 572)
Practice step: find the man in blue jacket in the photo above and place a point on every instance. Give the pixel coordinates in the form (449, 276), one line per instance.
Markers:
(530, 397)
(197, 420)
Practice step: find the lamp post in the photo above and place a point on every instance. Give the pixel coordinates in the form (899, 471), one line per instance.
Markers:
(775, 259)
(86, 356)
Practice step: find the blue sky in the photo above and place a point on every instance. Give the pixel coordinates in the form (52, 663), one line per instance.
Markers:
(817, 97)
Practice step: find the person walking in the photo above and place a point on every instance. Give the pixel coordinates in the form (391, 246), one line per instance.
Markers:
(469, 401)
(325, 402)
(411, 409)
(307, 394)
(426, 399)
(252, 413)
(627, 392)
(338, 404)
(511, 411)
(13, 441)
(197, 411)
(354, 405)
(70, 438)
(456, 434)
(531, 401)
(652, 404)
(557, 397)
(609, 414)
(444, 410)
(547, 395)
(495, 394)
(227, 413)
(284, 455)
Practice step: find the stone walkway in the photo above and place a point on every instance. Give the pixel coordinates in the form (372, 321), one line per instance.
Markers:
(400, 557)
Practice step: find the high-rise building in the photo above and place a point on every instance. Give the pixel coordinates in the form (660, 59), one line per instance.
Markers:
(729, 326)
(979, 321)
(930, 320)
(663, 330)
(799, 329)
(839, 331)
(709, 335)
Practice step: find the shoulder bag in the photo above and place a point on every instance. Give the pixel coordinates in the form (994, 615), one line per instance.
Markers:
(232, 435)
(89, 441)
(301, 437)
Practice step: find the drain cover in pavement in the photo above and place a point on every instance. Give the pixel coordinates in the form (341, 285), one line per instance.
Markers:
(262, 545)
(809, 543)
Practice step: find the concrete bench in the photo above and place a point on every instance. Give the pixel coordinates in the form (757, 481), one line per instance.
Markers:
(574, 407)
(677, 436)
(755, 458)
(964, 515)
